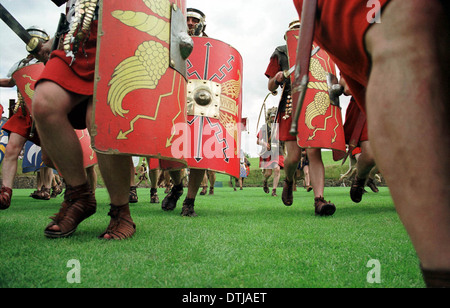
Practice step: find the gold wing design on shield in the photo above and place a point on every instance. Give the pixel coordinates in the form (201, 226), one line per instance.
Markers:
(321, 100)
(151, 59)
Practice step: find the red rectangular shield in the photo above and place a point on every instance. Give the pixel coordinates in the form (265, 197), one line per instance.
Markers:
(320, 122)
(214, 124)
(89, 155)
(292, 37)
(25, 79)
(139, 97)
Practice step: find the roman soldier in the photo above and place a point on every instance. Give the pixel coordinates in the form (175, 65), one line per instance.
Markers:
(20, 128)
(214, 109)
(196, 22)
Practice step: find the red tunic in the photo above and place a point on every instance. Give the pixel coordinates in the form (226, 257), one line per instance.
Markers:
(340, 29)
(284, 125)
(21, 124)
(268, 161)
(77, 78)
(351, 118)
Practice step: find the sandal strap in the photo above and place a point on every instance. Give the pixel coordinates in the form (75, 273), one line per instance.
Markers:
(5, 197)
(79, 203)
(121, 225)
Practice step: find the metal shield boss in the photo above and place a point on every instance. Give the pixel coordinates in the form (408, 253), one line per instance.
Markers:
(140, 87)
(320, 121)
(25, 79)
(214, 98)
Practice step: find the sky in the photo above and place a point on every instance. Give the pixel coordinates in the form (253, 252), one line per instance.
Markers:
(253, 27)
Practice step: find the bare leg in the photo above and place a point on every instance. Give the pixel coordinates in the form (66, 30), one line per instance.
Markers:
(176, 177)
(154, 174)
(9, 168)
(9, 164)
(366, 160)
(132, 175)
(115, 170)
(267, 173)
(316, 171)
(317, 177)
(204, 184)
(408, 112)
(92, 177)
(294, 154)
(46, 176)
(212, 181)
(195, 179)
(51, 104)
(365, 163)
(292, 159)
(307, 177)
(276, 179)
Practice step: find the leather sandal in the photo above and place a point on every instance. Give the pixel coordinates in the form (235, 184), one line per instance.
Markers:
(169, 203)
(372, 185)
(133, 198)
(121, 225)
(43, 194)
(56, 191)
(323, 208)
(266, 187)
(154, 195)
(203, 192)
(5, 197)
(357, 189)
(79, 203)
(188, 208)
(287, 196)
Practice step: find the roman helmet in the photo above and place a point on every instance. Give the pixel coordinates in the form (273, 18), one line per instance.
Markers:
(201, 25)
(293, 25)
(272, 112)
(39, 33)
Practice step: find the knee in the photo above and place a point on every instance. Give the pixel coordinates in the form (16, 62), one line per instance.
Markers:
(40, 106)
(48, 103)
(314, 156)
(39, 100)
(13, 148)
(291, 160)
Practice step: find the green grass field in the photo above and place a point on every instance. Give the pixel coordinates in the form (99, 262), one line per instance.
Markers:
(241, 239)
